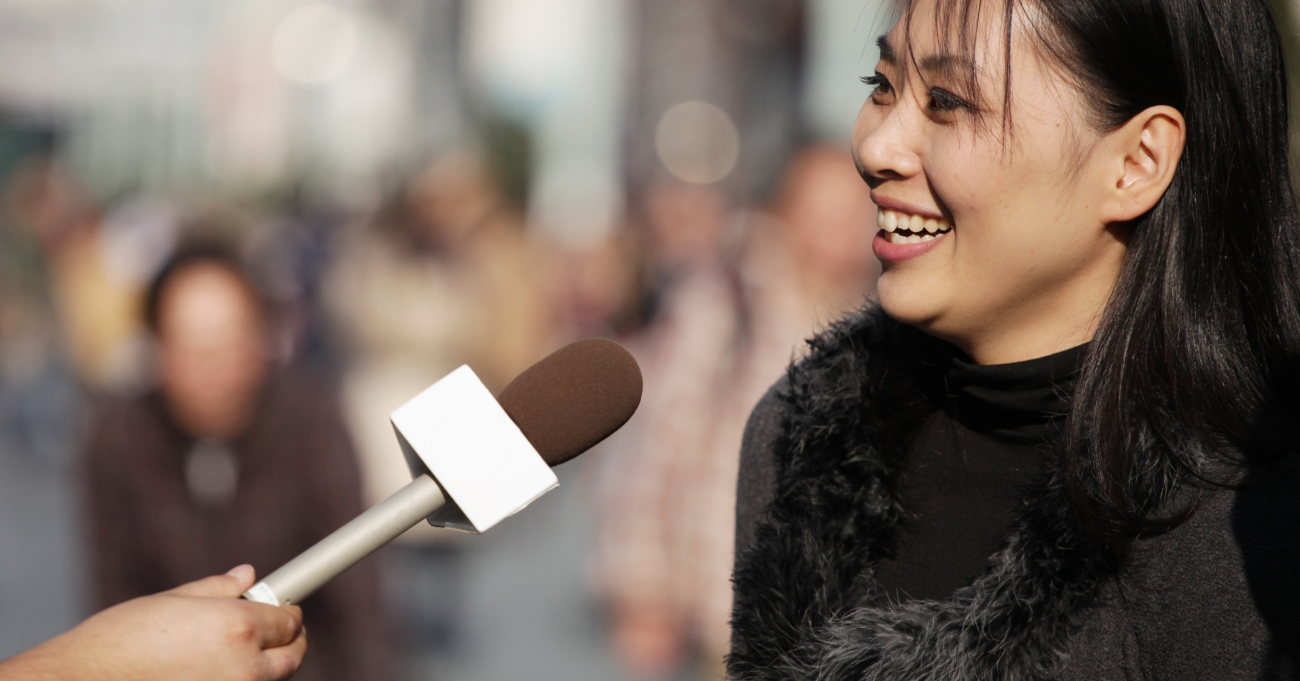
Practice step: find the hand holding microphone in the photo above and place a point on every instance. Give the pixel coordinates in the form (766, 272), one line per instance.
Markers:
(476, 460)
(198, 632)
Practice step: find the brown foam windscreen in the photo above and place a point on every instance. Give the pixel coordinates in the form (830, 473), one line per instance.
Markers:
(574, 398)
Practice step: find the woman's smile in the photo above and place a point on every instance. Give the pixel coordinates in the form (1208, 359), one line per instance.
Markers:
(906, 231)
(904, 236)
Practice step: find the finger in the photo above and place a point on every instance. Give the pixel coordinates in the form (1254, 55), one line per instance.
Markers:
(276, 627)
(283, 662)
(294, 611)
(229, 585)
(244, 573)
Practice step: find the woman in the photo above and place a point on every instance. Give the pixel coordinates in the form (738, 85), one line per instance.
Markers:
(1061, 446)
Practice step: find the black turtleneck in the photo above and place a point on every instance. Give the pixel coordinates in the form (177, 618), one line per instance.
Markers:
(966, 467)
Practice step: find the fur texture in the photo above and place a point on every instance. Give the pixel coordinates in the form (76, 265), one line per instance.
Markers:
(803, 587)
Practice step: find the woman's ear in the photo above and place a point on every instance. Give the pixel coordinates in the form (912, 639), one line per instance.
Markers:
(1146, 149)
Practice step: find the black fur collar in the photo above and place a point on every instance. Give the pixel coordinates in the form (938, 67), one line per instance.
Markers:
(849, 408)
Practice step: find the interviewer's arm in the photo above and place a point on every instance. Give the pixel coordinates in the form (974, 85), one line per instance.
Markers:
(201, 631)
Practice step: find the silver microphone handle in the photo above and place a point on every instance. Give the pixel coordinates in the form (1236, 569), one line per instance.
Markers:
(364, 535)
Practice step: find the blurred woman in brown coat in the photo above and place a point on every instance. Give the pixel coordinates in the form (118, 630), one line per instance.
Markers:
(230, 461)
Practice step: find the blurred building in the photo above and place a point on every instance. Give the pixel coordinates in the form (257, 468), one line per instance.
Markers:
(239, 97)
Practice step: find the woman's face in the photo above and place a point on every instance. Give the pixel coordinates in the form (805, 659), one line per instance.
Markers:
(1013, 259)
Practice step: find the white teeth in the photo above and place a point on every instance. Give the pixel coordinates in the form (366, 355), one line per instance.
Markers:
(922, 229)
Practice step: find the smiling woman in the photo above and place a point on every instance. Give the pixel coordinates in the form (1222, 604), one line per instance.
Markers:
(1044, 204)
(1061, 445)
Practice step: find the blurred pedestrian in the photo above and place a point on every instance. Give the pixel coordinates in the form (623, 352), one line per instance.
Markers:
(41, 576)
(442, 275)
(231, 460)
(647, 558)
(739, 292)
(93, 297)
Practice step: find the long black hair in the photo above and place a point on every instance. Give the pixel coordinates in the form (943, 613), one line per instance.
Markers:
(1196, 350)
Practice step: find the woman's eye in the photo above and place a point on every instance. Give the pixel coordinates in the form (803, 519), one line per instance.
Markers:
(942, 101)
(880, 83)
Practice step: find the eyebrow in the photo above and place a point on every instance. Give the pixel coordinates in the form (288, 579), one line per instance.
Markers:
(887, 53)
(943, 62)
(947, 64)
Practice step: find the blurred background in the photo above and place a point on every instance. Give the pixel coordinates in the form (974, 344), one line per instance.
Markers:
(236, 234)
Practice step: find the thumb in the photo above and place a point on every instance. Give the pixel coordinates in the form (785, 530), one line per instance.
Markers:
(229, 585)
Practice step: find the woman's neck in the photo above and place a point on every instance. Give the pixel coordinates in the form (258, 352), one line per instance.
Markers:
(1032, 336)
(1065, 318)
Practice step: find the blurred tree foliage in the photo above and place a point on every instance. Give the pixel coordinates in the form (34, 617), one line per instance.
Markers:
(510, 155)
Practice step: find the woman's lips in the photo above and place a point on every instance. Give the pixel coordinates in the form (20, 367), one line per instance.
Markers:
(904, 236)
(898, 206)
(892, 254)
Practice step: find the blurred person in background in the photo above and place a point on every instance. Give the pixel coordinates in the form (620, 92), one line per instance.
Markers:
(596, 288)
(727, 326)
(95, 304)
(41, 577)
(231, 460)
(647, 567)
(442, 276)
(823, 215)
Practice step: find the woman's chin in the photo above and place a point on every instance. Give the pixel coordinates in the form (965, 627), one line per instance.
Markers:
(907, 302)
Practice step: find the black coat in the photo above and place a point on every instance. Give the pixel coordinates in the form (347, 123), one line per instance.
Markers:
(1218, 597)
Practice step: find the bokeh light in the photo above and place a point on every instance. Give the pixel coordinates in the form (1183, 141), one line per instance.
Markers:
(313, 43)
(697, 142)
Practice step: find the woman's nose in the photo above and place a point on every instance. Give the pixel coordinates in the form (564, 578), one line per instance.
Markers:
(885, 149)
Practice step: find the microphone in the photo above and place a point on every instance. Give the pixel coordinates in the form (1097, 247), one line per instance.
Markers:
(476, 460)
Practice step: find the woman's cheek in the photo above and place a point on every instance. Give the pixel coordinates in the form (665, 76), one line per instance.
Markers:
(961, 181)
